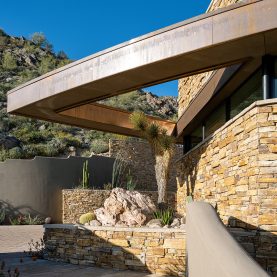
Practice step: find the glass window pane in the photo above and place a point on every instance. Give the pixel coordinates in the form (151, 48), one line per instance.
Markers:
(196, 136)
(215, 120)
(248, 93)
(274, 92)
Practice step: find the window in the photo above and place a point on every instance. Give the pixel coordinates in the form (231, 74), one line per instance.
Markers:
(274, 89)
(248, 93)
(215, 120)
(196, 136)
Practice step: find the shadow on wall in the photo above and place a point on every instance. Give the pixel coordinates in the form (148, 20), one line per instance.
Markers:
(13, 212)
(119, 250)
(38, 183)
(189, 170)
(258, 243)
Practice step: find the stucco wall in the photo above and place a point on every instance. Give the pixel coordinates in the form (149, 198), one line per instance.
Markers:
(142, 161)
(189, 87)
(35, 186)
(235, 170)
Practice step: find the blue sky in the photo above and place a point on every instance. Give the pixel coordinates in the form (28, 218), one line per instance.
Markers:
(83, 27)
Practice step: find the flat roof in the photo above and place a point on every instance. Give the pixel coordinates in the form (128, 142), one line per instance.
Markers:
(210, 41)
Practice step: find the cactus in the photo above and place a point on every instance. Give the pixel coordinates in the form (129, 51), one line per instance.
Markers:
(85, 180)
(86, 218)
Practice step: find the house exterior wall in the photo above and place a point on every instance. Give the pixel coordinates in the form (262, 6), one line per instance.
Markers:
(189, 87)
(235, 169)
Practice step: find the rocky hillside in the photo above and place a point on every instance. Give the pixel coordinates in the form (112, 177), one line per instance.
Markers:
(23, 59)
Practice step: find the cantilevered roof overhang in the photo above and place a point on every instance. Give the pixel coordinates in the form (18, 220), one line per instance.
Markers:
(228, 36)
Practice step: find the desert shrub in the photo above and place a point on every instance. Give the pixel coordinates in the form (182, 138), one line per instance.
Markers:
(99, 146)
(86, 218)
(108, 186)
(119, 169)
(39, 39)
(47, 64)
(3, 96)
(16, 153)
(9, 62)
(27, 75)
(30, 48)
(36, 249)
(130, 183)
(2, 215)
(62, 55)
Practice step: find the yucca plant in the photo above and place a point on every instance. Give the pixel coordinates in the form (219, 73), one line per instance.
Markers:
(162, 146)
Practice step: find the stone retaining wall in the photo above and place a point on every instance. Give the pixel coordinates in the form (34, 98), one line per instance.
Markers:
(159, 251)
(79, 201)
(235, 170)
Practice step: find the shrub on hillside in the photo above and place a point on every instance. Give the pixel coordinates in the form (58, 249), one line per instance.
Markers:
(9, 62)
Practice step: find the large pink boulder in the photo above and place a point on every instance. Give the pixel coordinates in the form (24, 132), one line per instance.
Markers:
(130, 208)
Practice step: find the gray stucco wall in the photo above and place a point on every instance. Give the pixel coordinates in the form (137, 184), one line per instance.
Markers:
(34, 186)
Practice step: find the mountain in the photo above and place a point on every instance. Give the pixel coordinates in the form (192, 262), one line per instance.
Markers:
(23, 59)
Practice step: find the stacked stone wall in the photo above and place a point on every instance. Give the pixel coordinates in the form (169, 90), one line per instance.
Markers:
(235, 170)
(157, 250)
(141, 161)
(80, 201)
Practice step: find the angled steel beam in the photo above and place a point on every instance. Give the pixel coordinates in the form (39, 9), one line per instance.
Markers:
(99, 117)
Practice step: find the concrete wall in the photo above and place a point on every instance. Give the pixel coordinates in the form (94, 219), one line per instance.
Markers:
(36, 185)
(205, 235)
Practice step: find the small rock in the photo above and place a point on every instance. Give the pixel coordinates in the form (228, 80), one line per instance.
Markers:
(182, 226)
(154, 223)
(95, 223)
(42, 127)
(183, 220)
(47, 220)
(166, 226)
(120, 224)
(86, 224)
(175, 223)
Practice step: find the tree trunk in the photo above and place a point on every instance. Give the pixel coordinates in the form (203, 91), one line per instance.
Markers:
(162, 174)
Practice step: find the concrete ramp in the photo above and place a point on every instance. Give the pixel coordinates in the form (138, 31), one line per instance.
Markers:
(212, 251)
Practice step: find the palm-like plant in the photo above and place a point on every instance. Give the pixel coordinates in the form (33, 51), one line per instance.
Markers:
(163, 148)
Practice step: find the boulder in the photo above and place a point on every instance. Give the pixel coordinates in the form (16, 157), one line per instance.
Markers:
(175, 223)
(47, 220)
(94, 223)
(9, 142)
(183, 220)
(154, 223)
(105, 217)
(129, 208)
